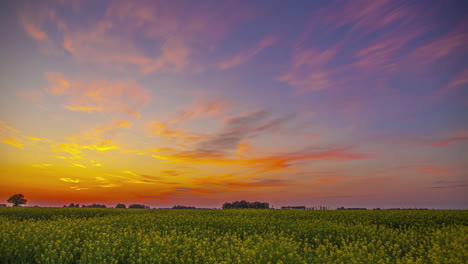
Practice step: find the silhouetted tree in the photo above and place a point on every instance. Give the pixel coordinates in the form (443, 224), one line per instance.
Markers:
(17, 199)
(138, 206)
(183, 207)
(244, 205)
(96, 206)
(121, 206)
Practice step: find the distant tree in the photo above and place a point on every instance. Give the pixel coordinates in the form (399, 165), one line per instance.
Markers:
(72, 205)
(96, 206)
(138, 206)
(244, 205)
(183, 207)
(120, 206)
(3, 205)
(17, 199)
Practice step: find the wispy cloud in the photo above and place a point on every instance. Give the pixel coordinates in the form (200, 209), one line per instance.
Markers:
(244, 56)
(109, 37)
(99, 95)
(70, 180)
(242, 127)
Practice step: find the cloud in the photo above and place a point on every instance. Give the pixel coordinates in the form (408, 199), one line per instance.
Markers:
(228, 181)
(450, 186)
(239, 128)
(390, 33)
(162, 130)
(260, 163)
(375, 179)
(457, 138)
(31, 28)
(79, 165)
(110, 185)
(99, 131)
(449, 141)
(308, 70)
(10, 136)
(33, 18)
(451, 44)
(75, 147)
(244, 56)
(457, 83)
(325, 180)
(70, 180)
(144, 179)
(99, 95)
(110, 35)
(201, 108)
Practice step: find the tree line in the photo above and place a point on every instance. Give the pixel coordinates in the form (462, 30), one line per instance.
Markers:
(246, 205)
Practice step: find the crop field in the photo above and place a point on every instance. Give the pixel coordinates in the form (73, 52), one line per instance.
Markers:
(89, 235)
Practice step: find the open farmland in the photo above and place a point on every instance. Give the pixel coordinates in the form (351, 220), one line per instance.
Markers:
(86, 235)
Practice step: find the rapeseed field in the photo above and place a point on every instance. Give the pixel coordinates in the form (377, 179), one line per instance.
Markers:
(89, 235)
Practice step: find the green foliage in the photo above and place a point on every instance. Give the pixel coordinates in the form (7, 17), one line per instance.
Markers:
(92, 235)
(17, 199)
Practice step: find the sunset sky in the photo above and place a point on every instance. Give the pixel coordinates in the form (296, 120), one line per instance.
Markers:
(337, 103)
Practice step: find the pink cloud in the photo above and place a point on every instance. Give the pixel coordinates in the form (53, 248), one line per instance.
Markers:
(457, 83)
(202, 108)
(340, 65)
(309, 70)
(244, 56)
(32, 28)
(449, 141)
(448, 45)
(111, 38)
(98, 95)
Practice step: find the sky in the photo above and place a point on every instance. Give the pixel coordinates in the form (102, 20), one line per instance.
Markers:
(198, 103)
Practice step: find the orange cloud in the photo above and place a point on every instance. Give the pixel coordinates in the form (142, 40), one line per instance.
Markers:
(243, 148)
(11, 136)
(100, 130)
(99, 96)
(58, 84)
(162, 130)
(271, 163)
(32, 28)
(325, 180)
(245, 56)
(76, 149)
(200, 109)
(229, 182)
